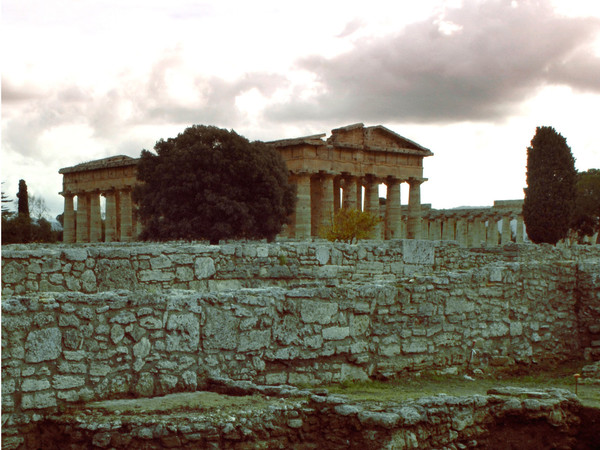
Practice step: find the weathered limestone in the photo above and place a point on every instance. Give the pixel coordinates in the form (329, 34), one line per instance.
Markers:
(112, 178)
(414, 209)
(321, 169)
(245, 415)
(154, 319)
(393, 210)
(69, 220)
(474, 227)
(354, 156)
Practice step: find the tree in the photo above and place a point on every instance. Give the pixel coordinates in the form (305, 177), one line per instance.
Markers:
(37, 207)
(550, 193)
(5, 201)
(210, 183)
(23, 199)
(586, 216)
(350, 225)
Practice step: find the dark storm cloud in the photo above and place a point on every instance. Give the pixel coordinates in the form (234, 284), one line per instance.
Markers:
(495, 58)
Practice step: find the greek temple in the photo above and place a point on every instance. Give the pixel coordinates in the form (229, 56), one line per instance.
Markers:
(345, 170)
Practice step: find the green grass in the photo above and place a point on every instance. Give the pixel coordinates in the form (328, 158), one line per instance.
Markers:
(411, 387)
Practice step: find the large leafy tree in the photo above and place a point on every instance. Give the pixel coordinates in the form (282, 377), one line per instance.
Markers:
(550, 193)
(586, 217)
(210, 183)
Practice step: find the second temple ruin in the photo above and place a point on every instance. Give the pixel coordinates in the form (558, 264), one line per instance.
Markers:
(344, 171)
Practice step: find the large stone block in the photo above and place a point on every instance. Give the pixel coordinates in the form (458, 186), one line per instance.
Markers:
(254, 340)
(220, 330)
(322, 254)
(32, 384)
(13, 272)
(38, 400)
(67, 381)
(43, 345)
(350, 373)
(183, 332)
(204, 268)
(75, 254)
(336, 333)
(318, 312)
(418, 252)
(115, 274)
(459, 306)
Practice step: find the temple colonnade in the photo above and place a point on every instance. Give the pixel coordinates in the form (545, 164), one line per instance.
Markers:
(85, 224)
(85, 184)
(346, 170)
(474, 227)
(320, 196)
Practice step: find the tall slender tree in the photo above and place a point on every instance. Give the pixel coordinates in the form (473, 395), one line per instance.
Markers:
(23, 198)
(550, 193)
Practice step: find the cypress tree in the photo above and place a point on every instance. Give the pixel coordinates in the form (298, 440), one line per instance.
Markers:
(23, 198)
(551, 182)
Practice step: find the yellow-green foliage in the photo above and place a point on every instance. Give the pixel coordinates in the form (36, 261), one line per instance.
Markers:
(351, 224)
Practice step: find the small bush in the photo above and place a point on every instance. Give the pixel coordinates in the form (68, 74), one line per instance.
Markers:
(350, 225)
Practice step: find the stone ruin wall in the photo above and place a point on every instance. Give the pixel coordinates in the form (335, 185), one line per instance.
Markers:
(94, 322)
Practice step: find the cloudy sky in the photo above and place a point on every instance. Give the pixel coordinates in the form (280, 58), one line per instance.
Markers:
(470, 80)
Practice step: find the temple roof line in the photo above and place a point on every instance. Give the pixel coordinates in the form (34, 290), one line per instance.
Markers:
(104, 163)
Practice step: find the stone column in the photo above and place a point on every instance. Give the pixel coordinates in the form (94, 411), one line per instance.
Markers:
(327, 202)
(83, 214)
(303, 207)
(414, 209)
(461, 231)
(126, 214)
(393, 210)
(448, 230)
(520, 230)
(360, 182)
(350, 186)
(372, 202)
(477, 231)
(492, 231)
(506, 229)
(435, 229)
(110, 233)
(336, 194)
(95, 217)
(68, 219)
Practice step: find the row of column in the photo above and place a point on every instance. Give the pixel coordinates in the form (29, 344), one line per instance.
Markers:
(85, 223)
(318, 199)
(474, 230)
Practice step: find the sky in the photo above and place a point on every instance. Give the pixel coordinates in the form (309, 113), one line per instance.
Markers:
(470, 80)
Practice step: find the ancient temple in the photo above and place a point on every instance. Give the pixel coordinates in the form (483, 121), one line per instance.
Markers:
(113, 178)
(343, 171)
(353, 162)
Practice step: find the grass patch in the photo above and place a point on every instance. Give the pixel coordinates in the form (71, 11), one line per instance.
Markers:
(428, 384)
(184, 401)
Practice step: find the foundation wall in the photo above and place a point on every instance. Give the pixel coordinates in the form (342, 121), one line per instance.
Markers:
(130, 333)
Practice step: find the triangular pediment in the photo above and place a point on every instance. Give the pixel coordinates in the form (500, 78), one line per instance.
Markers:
(378, 138)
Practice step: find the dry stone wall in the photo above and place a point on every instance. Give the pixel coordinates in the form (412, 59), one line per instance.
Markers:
(321, 313)
(505, 418)
(199, 267)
